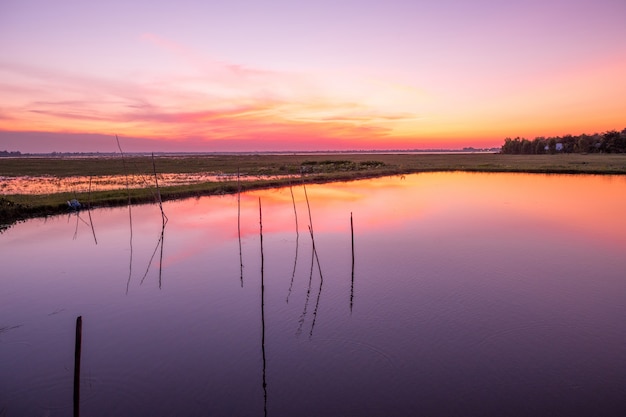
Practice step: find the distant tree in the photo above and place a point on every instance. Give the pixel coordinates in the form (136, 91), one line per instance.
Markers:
(614, 142)
(583, 145)
(611, 141)
(511, 146)
(552, 145)
(568, 142)
(596, 143)
(539, 145)
(506, 146)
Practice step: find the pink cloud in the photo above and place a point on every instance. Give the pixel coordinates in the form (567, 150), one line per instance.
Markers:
(212, 102)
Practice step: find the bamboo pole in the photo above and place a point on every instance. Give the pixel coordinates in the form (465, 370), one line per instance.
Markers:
(89, 212)
(156, 181)
(164, 221)
(319, 292)
(317, 259)
(352, 283)
(293, 201)
(130, 214)
(239, 226)
(77, 352)
(295, 260)
(263, 312)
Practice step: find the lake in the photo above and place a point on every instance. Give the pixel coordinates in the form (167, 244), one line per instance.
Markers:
(452, 294)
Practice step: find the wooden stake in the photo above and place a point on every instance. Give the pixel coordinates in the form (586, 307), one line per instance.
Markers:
(77, 351)
(130, 215)
(239, 227)
(156, 181)
(295, 261)
(263, 312)
(89, 212)
(352, 284)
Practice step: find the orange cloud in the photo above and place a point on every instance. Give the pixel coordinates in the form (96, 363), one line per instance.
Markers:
(214, 104)
(202, 99)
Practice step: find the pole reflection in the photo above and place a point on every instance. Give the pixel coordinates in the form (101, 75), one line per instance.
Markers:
(295, 259)
(314, 258)
(319, 293)
(302, 317)
(159, 245)
(293, 273)
(263, 312)
(78, 219)
(130, 213)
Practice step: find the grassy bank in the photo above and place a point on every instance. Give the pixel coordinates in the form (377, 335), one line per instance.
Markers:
(317, 168)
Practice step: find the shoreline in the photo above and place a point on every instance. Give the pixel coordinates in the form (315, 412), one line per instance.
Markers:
(272, 171)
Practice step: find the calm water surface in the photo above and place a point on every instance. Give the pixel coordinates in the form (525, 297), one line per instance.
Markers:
(470, 295)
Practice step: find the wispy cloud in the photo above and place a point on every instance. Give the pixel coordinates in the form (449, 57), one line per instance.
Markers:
(210, 99)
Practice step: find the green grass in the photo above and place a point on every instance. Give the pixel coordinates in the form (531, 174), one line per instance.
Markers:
(317, 168)
(281, 164)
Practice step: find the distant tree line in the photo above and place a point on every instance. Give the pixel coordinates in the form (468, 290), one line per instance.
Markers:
(608, 142)
(8, 153)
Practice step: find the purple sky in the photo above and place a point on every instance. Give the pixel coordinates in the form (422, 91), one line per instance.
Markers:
(278, 75)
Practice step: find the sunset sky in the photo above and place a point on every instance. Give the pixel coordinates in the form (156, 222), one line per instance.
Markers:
(277, 75)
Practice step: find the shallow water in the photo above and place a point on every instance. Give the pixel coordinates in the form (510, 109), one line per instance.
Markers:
(85, 184)
(471, 295)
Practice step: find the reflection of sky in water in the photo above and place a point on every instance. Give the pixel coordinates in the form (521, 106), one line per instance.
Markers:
(49, 185)
(474, 294)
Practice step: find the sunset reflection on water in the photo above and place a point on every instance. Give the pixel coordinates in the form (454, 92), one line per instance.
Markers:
(466, 294)
(50, 184)
(590, 205)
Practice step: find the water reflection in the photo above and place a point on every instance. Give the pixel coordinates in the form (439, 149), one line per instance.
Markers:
(78, 219)
(158, 246)
(302, 317)
(314, 256)
(295, 258)
(50, 185)
(293, 272)
(473, 300)
(93, 230)
(264, 383)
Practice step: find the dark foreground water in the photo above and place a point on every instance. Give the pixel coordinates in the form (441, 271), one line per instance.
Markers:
(469, 295)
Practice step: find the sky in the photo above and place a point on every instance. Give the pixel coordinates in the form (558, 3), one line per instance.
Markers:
(278, 75)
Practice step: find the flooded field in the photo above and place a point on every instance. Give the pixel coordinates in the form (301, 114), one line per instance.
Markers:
(434, 294)
(83, 184)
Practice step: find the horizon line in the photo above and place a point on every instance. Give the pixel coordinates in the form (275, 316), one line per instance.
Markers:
(468, 149)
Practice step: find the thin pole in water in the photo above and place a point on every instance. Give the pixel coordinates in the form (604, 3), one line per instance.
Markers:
(130, 214)
(164, 220)
(295, 260)
(352, 283)
(77, 350)
(239, 226)
(89, 212)
(156, 181)
(263, 312)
